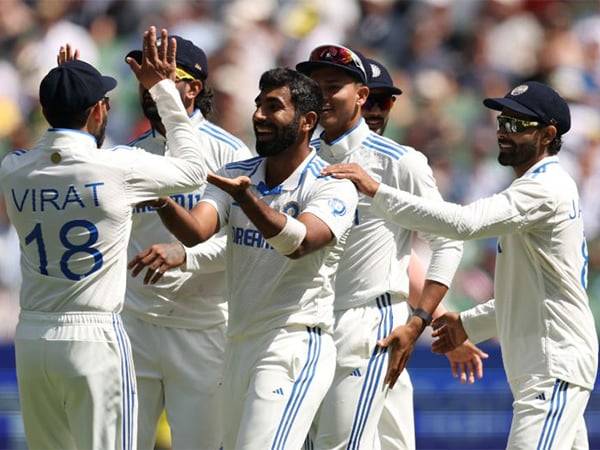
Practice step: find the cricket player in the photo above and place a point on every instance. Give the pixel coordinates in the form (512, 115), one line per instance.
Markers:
(372, 277)
(177, 327)
(541, 311)
(286, 226)
(396, 425)
(71, 206)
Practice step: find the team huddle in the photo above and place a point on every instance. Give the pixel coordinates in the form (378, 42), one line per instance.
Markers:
(279, 299)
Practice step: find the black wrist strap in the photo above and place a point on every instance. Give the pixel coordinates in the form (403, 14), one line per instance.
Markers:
(424, 316)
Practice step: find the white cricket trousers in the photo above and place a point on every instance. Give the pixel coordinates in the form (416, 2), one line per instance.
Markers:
(76, 381)
(548, 415)
(349, 416)
(274, 384)
(180, 370)
(397, 422)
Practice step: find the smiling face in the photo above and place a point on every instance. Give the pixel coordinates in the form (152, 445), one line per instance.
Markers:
(523, 144)
(276, 122)
(343, 97)
(376, 110)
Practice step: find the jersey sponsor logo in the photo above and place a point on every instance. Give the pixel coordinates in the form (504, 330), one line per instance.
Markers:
(43, 199)
(356, 373)
(278, 391)
(291, 209)
(249, 237)
(338, 207)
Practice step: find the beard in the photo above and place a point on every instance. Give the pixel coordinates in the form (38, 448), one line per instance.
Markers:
(283, 138)
(100, 134)
(376, 122)
(518, 154)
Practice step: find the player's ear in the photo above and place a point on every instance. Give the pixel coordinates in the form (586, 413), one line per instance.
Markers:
(548, 134)
(310, 121)
(362, 94)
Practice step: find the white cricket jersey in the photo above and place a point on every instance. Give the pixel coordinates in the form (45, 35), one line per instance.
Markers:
(543, 316)
(266, 289)
(181, 299)
(71, 204)
(378, 251)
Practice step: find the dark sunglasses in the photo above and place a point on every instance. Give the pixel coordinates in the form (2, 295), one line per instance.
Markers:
(338, 55)
(513, 125)
(384, 102)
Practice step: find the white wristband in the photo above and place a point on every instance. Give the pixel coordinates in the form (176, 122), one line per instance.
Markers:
(289, 238)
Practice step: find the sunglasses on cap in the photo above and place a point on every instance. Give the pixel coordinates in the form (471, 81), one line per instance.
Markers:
(338, 55)
(383, 101)
(182, 75)
(514, 125)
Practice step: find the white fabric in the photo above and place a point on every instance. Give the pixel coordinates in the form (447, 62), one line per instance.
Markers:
(73, 217)
(268, 290)
(480, 321)
(76, 381)
(349, 415)
(289, 238)
(181, 299)
(271, 394)
(206, 257)
(396, 427)
(180, 370)
(378, 250)
(543, 316)
(548, 415)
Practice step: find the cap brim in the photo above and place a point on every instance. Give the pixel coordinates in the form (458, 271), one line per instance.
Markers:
(109, 83)
(499, 104)
(386, 88)
(307, 67)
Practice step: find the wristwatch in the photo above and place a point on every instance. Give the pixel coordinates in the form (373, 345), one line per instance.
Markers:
(424, 316)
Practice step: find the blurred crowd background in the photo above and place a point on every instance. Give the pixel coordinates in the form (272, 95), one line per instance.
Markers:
(446, 55)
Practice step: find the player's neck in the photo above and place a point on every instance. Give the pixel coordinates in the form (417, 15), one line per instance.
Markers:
(281, 166)
(523, 168)
(331, 134)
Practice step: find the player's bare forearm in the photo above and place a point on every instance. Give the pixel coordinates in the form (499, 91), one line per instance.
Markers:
(190, 227)
(432, 295)
(267, 220)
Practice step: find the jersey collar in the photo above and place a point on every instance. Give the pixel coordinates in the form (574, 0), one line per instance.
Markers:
(67, 137)
(291, 183)
(347, 143)
(542, 165)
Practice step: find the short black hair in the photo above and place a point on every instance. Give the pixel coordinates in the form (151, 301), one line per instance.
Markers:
(305, 93)
(555, 145)
(70, 120)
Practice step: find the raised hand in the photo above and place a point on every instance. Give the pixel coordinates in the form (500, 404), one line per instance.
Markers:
(66, 53)
(158, 60)
(158, 258)
(466, 362)
(353, 172)
(236, 187)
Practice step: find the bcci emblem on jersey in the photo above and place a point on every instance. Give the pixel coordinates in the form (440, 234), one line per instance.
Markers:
(291, 209)
(338, 208)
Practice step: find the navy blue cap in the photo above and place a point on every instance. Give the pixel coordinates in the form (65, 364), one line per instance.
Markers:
(189, 57)
(380, 78)
(73, 87)
(326, 55)
(536, 100)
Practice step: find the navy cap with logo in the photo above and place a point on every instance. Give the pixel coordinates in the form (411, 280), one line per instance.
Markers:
(73, 87)
(346, 59)
(536, 100)
(379, 78)
(190, 58)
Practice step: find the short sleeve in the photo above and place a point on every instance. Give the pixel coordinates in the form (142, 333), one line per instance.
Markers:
(334, 202)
